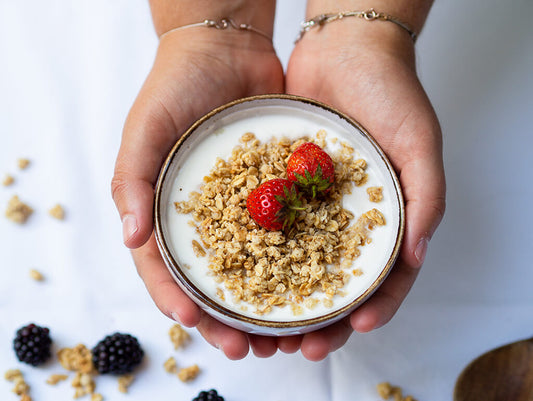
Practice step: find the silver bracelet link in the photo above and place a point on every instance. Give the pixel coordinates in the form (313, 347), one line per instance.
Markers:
(224, 23)
(368, 15)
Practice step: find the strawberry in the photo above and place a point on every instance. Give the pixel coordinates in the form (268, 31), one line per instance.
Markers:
(311, 168)
(274, 204)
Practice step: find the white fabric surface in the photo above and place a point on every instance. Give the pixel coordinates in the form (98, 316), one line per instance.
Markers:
(69, 72)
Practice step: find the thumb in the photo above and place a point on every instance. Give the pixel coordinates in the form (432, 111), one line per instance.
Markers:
(149, 133)
(133, 198)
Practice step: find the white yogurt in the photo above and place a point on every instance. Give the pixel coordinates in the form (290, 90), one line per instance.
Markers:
(218, 140)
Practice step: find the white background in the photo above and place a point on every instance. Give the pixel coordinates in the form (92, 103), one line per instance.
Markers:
(69, 71)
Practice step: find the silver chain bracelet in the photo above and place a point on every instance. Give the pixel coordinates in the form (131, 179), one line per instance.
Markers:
(224, 23)
(369, 15)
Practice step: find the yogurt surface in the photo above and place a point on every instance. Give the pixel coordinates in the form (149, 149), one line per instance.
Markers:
(217, 138)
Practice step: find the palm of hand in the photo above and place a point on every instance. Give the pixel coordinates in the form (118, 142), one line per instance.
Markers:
(382, 93)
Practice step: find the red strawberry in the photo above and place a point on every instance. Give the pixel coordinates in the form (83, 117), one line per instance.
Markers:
(311, 168)
(274, 204)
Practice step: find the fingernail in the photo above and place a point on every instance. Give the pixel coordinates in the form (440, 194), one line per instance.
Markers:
(420, 251)
(175, 317)
(129, 227)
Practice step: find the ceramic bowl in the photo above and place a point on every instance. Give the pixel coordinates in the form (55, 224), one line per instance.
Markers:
(215, 135)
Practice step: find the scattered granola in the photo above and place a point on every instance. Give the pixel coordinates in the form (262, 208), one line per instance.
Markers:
(21, 387)
(8, 180)
(57, 212)
(375, 194)
(268, 268)
(77, 359)
(97, 397)
(56, 378)
(170, 365)
(189, 373)
(386, 391)
(178, 336)
(23, 163)
(83, 384)
(124, 382)
(18, 211)
(36, 275)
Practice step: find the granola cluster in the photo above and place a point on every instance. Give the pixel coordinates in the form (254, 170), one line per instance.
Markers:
(180, 338)
(301, 268)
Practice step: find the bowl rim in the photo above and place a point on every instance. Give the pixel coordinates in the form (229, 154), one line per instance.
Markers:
(181, 277)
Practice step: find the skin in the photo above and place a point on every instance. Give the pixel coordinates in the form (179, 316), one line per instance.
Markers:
(364, 69)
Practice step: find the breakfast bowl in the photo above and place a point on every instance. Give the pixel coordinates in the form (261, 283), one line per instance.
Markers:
(340, 249)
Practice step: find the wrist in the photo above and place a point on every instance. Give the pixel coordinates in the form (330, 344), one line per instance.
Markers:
(411, 12)
(169, 14)
(358, 40)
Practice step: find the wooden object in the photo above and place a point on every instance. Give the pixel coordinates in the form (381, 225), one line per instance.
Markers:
(503, 374)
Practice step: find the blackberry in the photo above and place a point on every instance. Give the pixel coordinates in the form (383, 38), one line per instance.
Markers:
(32, 344)
(210, 395)
(118, 354)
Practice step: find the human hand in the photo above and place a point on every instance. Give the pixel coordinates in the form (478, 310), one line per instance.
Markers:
(195, 70)
(367, 70)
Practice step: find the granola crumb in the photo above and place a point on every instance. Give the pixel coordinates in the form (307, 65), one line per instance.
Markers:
(77, 359)
(328, 303)
(18, 211)
(375, 194)
(170, 365)
(8, 180)
(56, 378)
(178, 336)
(197, 248)
(25, 397)
(189, 373)
(384, 390)
(357, 272)
(124, 382)
(97, 397)
(23, 163)
(36, 275)
(387, 390)
(12, 374)
(21, 387)
(83, 384)
(57, 212)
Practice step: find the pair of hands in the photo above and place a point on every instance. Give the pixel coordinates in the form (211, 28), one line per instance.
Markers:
(370, 75)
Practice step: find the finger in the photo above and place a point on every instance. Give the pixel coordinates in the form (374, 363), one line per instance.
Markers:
(424, 189)
(289, 344)
(232, 342)
(383, 304)
(319, 344)
(263, 346)
(167, 295)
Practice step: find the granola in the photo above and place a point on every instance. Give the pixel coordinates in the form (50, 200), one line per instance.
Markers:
(17, 211)
(77, 359)
(375, 194)
(8, 180)
(124, 382)
(270, 269)
(36, 275)
(178, 336)
(189, 373)
(23, 163)
(21, 387)
(57, 212)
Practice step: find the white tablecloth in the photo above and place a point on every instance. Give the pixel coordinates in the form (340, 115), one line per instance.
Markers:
(69, 72)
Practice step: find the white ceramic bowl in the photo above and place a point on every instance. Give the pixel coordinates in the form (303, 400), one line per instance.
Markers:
(216, 134)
